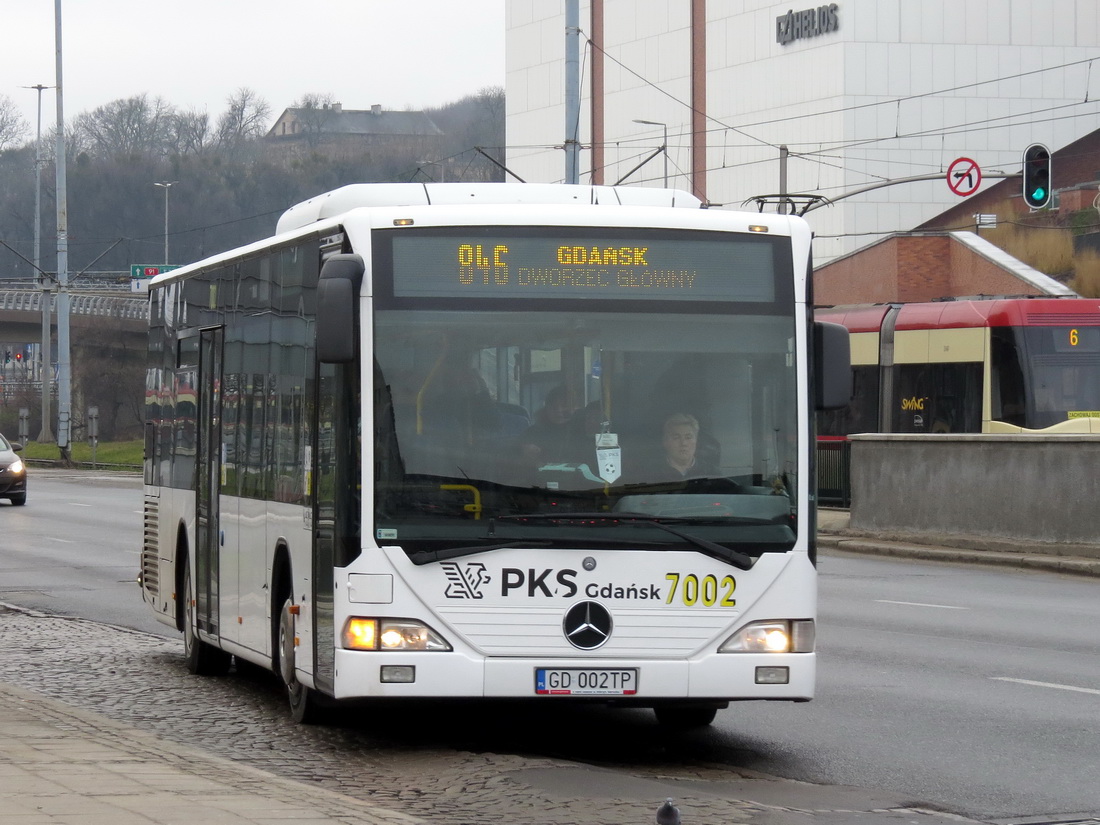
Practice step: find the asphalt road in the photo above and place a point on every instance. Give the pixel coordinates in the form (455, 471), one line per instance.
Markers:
(75, 548)
(975, 690)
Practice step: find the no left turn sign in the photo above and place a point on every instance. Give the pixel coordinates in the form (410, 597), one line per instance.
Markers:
(964, 177)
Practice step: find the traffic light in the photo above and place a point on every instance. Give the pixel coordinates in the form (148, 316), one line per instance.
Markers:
(1037, 176)
(7, 356)
(19, 356)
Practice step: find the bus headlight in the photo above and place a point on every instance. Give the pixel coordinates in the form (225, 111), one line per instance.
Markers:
(778, 636)
(366, 633)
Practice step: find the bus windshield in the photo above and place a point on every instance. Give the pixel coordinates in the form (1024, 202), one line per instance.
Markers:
(487, 422)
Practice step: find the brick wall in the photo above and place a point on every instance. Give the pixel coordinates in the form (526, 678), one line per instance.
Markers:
(913, 268)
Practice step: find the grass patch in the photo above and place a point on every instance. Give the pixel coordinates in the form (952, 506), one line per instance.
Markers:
(107, 452)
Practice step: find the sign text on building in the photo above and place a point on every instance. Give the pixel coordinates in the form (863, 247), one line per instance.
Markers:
(798, 25)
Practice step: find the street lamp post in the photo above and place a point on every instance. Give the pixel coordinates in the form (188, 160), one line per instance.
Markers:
(45, 434)
(664, 146)
(166, 186)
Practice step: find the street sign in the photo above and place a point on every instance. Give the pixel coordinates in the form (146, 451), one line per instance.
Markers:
(141, 274)
(149, 270)
(964, 177)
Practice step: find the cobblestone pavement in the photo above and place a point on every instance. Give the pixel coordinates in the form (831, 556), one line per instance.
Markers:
(446, 764)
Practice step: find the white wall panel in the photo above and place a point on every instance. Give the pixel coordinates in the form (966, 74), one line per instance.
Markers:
(776, 93)
(1086, 23)
(996, 18)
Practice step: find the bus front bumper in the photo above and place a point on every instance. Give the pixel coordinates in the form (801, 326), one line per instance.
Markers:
(727, 677)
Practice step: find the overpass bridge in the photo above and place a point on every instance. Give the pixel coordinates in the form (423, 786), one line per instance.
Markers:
(21, 313)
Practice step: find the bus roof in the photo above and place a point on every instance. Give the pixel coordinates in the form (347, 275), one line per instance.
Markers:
(339, 201)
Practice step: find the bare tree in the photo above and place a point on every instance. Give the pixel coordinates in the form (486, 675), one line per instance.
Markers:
(133, 126)
(245, 118)
(191, 132)
(492, 101)
(13, 128)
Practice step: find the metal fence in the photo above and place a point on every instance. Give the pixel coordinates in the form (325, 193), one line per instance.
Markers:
(834, 472)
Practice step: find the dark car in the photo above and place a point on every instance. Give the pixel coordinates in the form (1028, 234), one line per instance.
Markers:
(13, 473)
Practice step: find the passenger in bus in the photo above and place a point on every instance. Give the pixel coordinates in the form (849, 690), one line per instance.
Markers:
(460, 430)
(680, 456)
(553, 436)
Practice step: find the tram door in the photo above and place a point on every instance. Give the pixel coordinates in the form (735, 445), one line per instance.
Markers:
(207, 473)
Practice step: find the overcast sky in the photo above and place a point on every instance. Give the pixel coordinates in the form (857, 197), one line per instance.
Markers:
(195, 53)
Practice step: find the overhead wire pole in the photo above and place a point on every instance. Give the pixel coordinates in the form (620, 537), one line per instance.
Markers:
(64, 366)
(572, 90)
(664, 144)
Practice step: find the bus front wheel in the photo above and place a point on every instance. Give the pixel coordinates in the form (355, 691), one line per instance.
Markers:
(305, 704)
(202, 659)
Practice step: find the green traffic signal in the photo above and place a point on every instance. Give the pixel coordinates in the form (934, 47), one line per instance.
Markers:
(1036, 162)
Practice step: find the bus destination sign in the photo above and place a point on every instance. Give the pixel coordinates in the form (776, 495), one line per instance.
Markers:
(722, 267)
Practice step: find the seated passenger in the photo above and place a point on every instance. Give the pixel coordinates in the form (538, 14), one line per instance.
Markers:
(551, 438)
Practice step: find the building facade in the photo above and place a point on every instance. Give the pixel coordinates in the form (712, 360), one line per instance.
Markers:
(336, 132)
(748, 98)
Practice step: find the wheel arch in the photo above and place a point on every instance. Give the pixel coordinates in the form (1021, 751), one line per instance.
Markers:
(282, 586)
(182, 559)
(282, 574)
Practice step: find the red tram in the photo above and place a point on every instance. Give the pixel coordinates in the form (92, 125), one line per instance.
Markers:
(989, 365)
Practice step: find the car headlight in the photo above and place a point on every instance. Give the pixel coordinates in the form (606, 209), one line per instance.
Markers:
(16, 467)
(776, 636)
(367, 633)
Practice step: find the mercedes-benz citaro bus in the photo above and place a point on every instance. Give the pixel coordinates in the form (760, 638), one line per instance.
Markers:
(494, 441)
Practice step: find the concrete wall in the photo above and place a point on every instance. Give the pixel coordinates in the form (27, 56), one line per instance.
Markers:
(1014, 488)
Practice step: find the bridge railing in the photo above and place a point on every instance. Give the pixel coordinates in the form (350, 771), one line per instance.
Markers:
(108, 306)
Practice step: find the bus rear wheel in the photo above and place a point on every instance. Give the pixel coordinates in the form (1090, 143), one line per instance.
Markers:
(202, 659)
(306, 706)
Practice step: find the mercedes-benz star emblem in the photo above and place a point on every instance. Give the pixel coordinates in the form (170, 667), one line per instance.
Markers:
(587, 625)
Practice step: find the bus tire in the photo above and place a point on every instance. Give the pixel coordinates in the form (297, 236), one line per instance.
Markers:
(306, 707)
(202, 659)
(685, 717)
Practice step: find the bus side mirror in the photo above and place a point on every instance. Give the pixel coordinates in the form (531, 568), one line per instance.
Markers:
(832, 366)
(337, 302)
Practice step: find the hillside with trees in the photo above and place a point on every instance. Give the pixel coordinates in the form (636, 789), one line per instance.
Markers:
(229, 182)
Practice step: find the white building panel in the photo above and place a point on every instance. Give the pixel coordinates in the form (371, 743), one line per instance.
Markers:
(899, 89)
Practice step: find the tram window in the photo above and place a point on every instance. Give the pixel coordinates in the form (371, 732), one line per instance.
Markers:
(1008, 399)
(861, 415)
(939, 398)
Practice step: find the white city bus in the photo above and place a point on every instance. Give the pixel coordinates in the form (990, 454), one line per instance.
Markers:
(494, 441)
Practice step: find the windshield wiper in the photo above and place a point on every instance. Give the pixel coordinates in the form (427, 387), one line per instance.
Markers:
(425, 556)
(734, 557)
